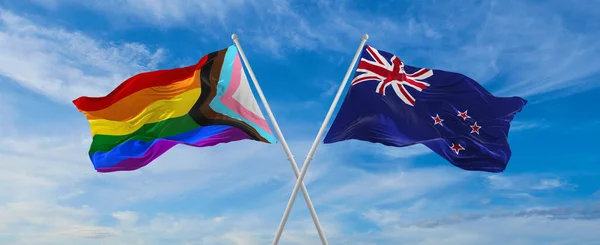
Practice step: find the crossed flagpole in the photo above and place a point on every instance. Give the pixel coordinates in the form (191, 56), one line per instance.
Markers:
(300, 174)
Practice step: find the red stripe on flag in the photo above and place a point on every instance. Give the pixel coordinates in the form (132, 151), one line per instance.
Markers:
(419, 73)
(136, 83)
(405, 94)
(362, 79)
(374, 55)
(373, 68)
(416, 84)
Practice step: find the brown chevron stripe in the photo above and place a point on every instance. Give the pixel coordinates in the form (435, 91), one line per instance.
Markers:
(202, 113)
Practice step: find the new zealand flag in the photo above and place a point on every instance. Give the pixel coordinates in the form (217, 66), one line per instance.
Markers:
(399, 105)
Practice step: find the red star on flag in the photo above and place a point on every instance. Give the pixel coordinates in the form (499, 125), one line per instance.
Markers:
(463, 115)
(437, 120)
(475, 128)
(457, 148)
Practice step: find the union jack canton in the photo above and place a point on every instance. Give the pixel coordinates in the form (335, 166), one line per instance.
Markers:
(390, 72)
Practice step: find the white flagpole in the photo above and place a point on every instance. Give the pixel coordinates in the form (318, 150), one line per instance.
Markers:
(315, 144)
(284, 144)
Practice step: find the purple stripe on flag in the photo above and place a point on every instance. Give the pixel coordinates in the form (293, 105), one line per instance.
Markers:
(160, 147)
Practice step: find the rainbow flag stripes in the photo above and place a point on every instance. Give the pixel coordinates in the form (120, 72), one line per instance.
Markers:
(201, 105)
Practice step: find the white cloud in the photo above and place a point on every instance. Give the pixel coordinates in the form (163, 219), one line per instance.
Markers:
(527, 182)
(359, 187)
(549, 184)
(46, 179)
(531, 55)
(7, 113)
(126, 218)
(516, 230)
(520, 125)
(51, 195)
(173, 12)
(590, 212)
(272, 25)
(65, 64)
(407, 152)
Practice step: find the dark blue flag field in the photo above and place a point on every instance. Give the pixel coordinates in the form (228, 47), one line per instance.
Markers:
(399, 105)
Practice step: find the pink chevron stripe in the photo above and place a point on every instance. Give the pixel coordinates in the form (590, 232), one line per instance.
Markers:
(228, 100)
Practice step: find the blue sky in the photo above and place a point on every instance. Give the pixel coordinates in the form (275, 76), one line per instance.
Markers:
(54, 51)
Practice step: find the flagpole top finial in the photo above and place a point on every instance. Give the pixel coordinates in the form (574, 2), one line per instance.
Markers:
(365, 36)
(234, 36)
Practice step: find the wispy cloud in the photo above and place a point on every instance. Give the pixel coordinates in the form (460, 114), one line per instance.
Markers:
(529, 55)
(527, 182)
(64, 64)
(516, 228)
(126, 218)
(521, 125)
(48, 176)
(36, 192)
(51, 195)
(374, 188)
(7, 112)
(591, 212)
(407, 152)
(532, 54)
(274, 25)
(328, 87)
(548, 184)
